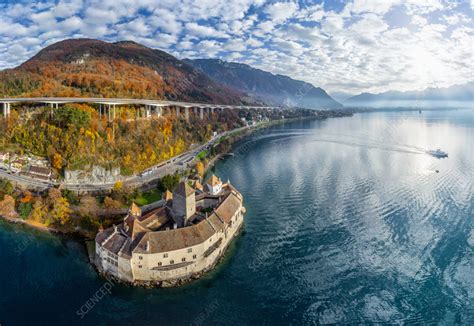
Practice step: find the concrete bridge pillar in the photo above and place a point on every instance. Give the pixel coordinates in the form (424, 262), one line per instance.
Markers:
(110, 112)
(6, 109)
(201, 113)
(178, 111)
(147, 111)
(158, 111)
(186, 113)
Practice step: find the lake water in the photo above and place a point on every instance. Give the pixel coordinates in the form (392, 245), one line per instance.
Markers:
(347, 221)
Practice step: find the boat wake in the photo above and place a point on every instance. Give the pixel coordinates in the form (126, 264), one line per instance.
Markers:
(352, 140)
(375, 145)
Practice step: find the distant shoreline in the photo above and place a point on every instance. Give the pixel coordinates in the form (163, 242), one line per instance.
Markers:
(402, 109)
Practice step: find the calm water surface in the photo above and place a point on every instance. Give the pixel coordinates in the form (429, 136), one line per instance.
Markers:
(347, 221)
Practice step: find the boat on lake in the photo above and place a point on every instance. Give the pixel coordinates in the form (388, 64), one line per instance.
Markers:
(437, 153)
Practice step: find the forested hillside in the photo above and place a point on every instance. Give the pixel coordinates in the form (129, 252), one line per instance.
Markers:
(74, 137)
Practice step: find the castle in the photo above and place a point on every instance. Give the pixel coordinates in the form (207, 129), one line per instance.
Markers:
(176, 242)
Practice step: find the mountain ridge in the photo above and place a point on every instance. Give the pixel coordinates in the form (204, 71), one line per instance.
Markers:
(459, 93)
(274, 88)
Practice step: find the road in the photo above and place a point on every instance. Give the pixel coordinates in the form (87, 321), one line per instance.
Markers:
(177, 163)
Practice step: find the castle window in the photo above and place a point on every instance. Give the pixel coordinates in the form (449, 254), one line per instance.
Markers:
(171, 262)
(159, 263)
(190, 249)
(139, 266)
(140, 257)
(165, 255)
(183, 259)
(194, 256)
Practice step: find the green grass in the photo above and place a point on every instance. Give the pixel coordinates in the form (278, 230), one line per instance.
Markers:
(147, 197)
(202, 154)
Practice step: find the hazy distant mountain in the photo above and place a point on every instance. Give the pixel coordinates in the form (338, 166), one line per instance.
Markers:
(87, 67)
(457, 95)
(341, 97)
(276, 89)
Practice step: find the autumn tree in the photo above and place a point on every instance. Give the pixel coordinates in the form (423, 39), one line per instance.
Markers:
(110, 203)
(59, 207)
(40, 211)
(118, 186)
(88, 207)
(69, 114)
(6, 187)
(26, 197)
(57, 162)
(200, 169)
(7, 207)
(168, 182)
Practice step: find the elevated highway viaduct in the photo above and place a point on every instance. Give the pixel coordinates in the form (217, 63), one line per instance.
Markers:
(145, 108)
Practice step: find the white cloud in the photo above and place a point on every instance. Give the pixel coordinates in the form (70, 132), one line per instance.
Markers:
(281, 11)
(71, 24)
(252, 42)
(204, 31)
(370, 24)
(357, 48)
(235, 45)
(66, 9)
(136, 27)
(370, 6)
(166, 20)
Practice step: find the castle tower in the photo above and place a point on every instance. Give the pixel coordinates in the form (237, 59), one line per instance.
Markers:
(214, 185)
(184, 203)
(167, 196)
(134, 213)
(135, 210)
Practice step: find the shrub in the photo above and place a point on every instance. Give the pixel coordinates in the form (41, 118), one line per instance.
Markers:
(24, 209)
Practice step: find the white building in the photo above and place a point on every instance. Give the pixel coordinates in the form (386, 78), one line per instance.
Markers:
(214, 185)
(173, 243)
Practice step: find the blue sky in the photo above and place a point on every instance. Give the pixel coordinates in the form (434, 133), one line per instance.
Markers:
(343, 46)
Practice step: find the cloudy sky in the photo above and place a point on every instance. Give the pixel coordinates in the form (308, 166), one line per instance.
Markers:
(342, 46)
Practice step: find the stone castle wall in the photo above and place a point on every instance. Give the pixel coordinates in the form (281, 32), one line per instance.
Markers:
(145, 268)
